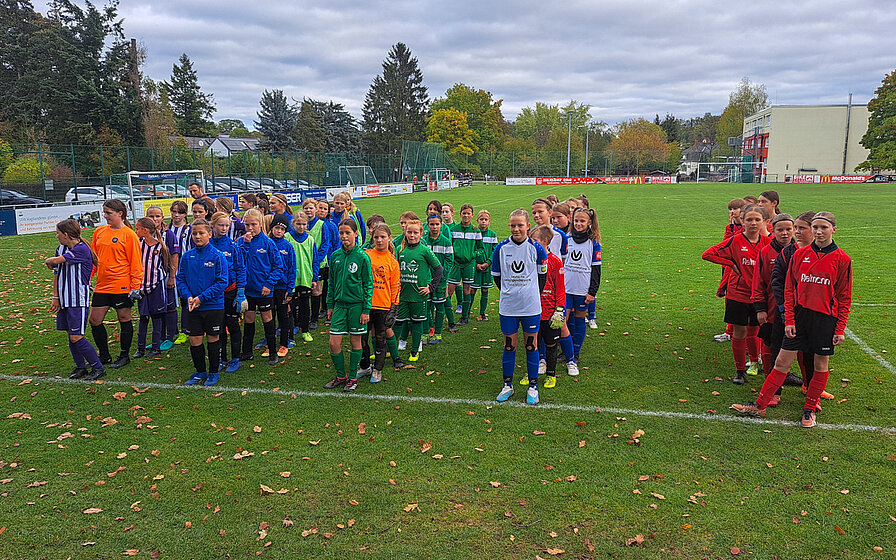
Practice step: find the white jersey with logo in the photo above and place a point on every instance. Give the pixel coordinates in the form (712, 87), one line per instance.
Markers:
(560, 243)
(518, 267)
(578, 265)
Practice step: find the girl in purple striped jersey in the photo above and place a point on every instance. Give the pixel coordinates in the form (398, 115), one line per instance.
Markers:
(72, 267)
(169, 327)
(182, 231)
(156, 271)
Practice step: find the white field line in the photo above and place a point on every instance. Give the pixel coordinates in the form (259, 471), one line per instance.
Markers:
(469, 402)
(855, 304)
(24, 303)
(868, 350)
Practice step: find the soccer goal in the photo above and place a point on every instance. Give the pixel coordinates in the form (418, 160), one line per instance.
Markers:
(356, 176)
(730, 172)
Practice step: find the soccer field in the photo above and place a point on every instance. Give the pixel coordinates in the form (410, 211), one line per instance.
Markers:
(638, 457)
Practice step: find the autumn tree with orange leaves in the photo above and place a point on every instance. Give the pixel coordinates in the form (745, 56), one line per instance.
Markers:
(637, 144)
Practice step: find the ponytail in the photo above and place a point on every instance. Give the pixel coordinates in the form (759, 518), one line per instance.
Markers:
(157, 235)
(71, 228)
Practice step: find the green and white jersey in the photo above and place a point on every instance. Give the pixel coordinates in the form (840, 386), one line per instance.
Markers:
(444, 251)
(489, 242)
(467, 241)
(351, 279)
(415, 264)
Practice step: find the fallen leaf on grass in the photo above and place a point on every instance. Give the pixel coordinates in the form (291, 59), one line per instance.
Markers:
(287, 522)
(839, 530)
(92, 510)
(495, 484)
(426, 445)
(362, 428)
(555, 551)
(131, 552)
(285, 474)
(538, 433)
(88, 543)
(844, 491)
(582, 443)
(687, 526)
(256, 429)
(644, 477)
(571, 478)
(735, 551)
(268, 490)
(311, 531)
(411, 507)
(637, 540)
(657, 496)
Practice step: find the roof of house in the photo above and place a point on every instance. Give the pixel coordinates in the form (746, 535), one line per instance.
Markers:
(194, 142)
(238, 144)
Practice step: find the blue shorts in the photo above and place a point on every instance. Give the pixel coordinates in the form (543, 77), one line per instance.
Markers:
(511, 325)
(576, 303)
(72, 320)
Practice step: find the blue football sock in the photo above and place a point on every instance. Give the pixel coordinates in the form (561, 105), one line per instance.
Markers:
(532, 366)
(508, 363)
(566, 348)
(76, 354)
(579, 338)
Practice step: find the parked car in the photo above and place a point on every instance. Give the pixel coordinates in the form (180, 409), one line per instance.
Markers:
(98, 193)
(10, 198)
(300, 184)
(268, 184)
(235, 183)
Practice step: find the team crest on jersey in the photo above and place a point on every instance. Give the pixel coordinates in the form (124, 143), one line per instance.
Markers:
(114, 240)
(745, 249)
(412, 266)
(261, 250)
(353, 268)
(209, 264)
(575, 255)
(517, 266)
(806, 259)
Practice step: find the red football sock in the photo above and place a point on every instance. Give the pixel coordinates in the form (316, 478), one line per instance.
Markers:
(729, 330)
(767, 363)
(816, 388)
(753, 343)
(773, 382)
(739, 349)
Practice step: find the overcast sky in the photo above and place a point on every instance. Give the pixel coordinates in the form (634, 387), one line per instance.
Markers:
(625, 58)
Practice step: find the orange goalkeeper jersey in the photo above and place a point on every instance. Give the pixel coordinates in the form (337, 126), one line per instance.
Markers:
(386, 279)
(119, 269)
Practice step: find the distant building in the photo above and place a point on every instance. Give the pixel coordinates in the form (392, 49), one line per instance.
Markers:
(223, 145)
(787, 140)
(198, 143)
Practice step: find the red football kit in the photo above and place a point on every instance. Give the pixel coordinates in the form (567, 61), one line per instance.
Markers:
(820, 280)
(739, 255)
(553, 295)
(763, 297)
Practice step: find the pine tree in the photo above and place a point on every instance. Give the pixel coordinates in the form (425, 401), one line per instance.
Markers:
(277, 121)
(341, 133)
(308, 132)
(192, 108)
(396, 104)
(880, 138)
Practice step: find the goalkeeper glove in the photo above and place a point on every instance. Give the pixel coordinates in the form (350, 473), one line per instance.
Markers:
(557, 318)
(135, 295)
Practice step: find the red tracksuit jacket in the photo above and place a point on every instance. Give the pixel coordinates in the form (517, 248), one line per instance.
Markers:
(820, 280)
(554, 293)
(740, 256)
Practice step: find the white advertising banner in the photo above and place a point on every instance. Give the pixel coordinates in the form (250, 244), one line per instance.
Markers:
(519, 181)
(37, 220)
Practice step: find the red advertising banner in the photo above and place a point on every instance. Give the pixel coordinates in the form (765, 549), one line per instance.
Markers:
(432, 186)
(566, 181)
(845, 178)
(661, 180)
(373, 190)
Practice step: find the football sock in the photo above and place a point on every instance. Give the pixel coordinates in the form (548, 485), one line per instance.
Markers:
(214, 356)
(439, 317)
(101, 339)
(198, 355)
(416, 328)
(354, 361)
(449, 311)
(142, 329)
(157, 322)
(592, 310)
(532, 366)
(392, 345)
(807, 366)
(578, 339)
(184, 313)
(233, 330)
(77, 356)
(467, 303)
(773, 382)
(508, 363)
(753, 343)
(816, 388)
(171, 325)
(315, 307)
(338, 363)
(767, 362)
(551, 360)
(285, 321)
(127, 336)
(739, 349)
(483, 301)
(87, 351)
(566, 347)
(270, 335)
(248, 337)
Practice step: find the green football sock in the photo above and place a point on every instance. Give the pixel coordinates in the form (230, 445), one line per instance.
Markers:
(468, 302)
(339, 364)
(392, 345)
(439, 317)
(449, 311)
(416, 331)
(354, 361)
(483, 302)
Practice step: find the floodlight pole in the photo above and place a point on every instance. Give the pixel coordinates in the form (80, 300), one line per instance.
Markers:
(568, 139)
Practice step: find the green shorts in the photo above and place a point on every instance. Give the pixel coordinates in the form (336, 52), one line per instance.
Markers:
(411, 310)
(461, 273)
(483, 279)
(439, 296)
(347, 320)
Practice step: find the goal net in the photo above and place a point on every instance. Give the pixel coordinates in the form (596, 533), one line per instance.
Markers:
(356, 176)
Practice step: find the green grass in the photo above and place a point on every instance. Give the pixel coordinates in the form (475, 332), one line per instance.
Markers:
(491, 485)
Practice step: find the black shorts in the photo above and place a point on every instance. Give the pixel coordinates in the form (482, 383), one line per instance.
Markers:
(776, 339)
(230, 309)
(280, 297)
(740, 313)
(814, 333)
(548, 335)
(260, 303)
(115, 301)
(302, 291)
(210, 322)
